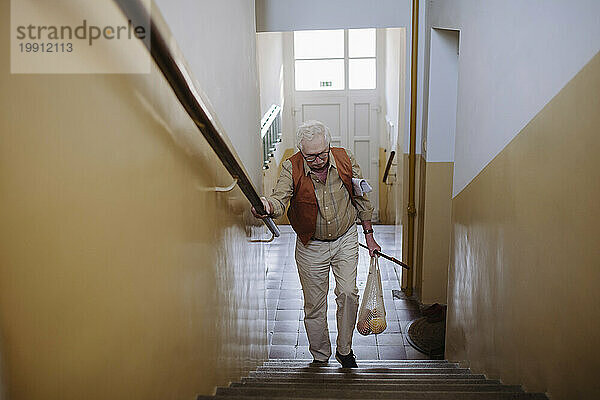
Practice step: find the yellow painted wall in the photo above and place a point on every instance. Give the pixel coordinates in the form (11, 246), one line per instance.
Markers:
(433, 199)
(420, 182)
(399, 202)
(122, 274)
(436, 232)
(525, 271)
(401, 209)
(418, 223)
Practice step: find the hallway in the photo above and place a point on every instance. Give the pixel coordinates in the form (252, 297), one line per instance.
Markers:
(287, 335)
(129, 262)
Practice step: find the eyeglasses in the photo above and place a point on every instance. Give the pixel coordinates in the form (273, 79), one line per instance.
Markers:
(313, 157)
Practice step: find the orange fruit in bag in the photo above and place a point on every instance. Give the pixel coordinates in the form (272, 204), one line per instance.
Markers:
(377, 325)
(363, 327)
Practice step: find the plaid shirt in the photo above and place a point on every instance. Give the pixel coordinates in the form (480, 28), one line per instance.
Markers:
(336, 213)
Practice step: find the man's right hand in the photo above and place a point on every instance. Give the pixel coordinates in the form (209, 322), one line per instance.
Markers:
(267, 207)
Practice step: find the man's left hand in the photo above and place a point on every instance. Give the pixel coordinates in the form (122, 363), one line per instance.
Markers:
(372, 245)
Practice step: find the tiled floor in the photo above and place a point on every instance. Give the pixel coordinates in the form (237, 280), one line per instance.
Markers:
(287, 336)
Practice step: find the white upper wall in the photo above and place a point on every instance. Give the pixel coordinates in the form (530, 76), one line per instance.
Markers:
(515, 56)
(218, 41)
(269, 54)
(393, 46)
(274, 84)
(294, 15)
(443, 81)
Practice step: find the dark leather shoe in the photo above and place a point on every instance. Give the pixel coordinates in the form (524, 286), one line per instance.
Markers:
(318, 363)
(347, 361)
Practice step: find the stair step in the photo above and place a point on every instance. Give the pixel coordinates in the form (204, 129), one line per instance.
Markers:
(294, 360)
(342, 374)
(361, 381)
(482, 386)
(397, 395)
(374, 370)
(292, 379)
(362, 393)
(361, 365)
(306, 361)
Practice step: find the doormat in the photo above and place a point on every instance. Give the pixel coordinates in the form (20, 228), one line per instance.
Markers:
(427, 337)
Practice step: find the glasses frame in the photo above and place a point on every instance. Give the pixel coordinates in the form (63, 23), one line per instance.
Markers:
(313, 157)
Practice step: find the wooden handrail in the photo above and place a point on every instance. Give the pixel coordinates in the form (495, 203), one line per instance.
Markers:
(169, 60)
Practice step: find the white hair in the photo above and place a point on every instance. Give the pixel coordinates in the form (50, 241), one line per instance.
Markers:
(309, 129)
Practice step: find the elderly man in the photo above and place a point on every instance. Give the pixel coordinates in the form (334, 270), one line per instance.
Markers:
(317, 181)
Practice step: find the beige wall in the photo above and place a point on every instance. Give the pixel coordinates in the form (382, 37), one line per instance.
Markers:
(418, 223)
(433, 199)
(523, 290)
(2, 385)
(122, 274)
(402, 215)
(436, 232)
(420, 181)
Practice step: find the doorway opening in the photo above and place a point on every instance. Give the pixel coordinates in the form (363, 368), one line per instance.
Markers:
(353, 81)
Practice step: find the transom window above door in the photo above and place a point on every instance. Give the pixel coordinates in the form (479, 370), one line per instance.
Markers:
(323, 59)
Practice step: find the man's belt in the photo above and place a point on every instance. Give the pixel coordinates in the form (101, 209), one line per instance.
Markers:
(332, 240)
(324, 240)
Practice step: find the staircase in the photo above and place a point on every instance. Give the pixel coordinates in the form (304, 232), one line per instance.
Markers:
(377, 379)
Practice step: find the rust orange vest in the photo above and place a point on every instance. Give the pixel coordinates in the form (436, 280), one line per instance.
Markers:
(303, 209)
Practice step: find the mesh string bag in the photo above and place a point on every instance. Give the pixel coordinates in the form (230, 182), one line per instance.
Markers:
(371, 315)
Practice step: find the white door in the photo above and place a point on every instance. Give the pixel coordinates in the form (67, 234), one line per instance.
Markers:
(330, 109)
(335, 83)
(352, 120)
(363, 139)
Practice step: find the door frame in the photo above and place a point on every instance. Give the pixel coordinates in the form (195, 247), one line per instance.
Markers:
(346, 98)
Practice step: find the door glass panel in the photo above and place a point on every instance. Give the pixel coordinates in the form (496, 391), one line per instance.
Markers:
(361, 43)
(319, 74)
(362, 73)
(319, 44)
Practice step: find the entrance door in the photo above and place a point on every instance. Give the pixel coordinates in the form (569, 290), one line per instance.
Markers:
(336, 84)
(330, 109)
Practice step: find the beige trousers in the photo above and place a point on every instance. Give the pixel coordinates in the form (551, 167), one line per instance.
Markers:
(314, 261)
